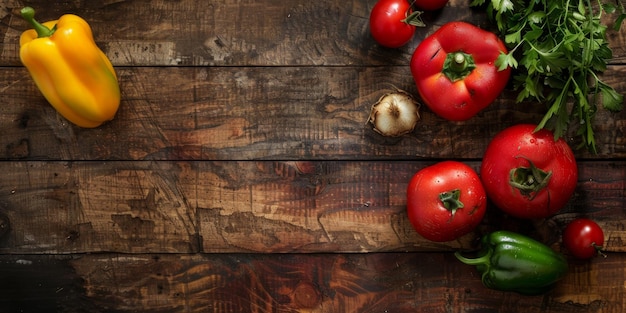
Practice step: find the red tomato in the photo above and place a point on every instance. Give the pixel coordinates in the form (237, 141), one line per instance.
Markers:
(387, 24)
(528, 174)
(583, 238)
(445, 201)
(430, 5)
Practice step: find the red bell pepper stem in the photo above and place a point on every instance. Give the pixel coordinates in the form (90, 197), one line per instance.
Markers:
(458, 65)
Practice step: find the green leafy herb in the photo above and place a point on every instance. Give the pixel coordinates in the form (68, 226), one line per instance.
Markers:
(558, 48)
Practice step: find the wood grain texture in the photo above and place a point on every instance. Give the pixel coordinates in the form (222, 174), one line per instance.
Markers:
(254, 206)
(377, 282)
(277, 113)
(240, 33)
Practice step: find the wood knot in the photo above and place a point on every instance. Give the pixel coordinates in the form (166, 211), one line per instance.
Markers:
(306, 295)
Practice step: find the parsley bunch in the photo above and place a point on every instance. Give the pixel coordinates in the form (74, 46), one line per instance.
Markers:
(562, 47)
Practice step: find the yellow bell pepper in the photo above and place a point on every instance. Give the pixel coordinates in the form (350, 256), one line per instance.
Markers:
(69, 69)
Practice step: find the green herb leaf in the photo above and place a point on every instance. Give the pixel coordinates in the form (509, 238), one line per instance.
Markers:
(618, 21)
(513, 37)
(533, 34)
(611, 100)
(558, 48)
(536, 17)
(505, 60)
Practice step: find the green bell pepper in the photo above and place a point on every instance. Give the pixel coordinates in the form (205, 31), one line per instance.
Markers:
(513, 262)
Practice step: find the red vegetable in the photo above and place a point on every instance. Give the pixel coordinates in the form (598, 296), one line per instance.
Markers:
(528, 174)
(393, 22)
(583, 238)
(454, 70)
(445, 201)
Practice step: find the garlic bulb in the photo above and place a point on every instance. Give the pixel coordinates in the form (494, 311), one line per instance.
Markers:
(395, 114)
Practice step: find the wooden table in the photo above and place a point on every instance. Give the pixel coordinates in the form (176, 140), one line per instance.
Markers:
(240, 175)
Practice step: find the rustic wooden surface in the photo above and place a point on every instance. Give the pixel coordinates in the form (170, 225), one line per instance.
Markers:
(240, 174)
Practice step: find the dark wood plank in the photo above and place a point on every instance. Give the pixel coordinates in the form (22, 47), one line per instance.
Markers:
(264, 33)
(279, 113)
(376, 282)
(39, 283)
(261, 207)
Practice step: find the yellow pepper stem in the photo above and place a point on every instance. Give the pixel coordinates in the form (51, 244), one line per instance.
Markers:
(28, 14)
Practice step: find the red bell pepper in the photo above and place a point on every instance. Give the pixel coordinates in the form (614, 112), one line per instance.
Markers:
(455, 72)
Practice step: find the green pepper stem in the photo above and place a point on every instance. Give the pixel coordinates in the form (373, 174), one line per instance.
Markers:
(28, 14)
(482, 260)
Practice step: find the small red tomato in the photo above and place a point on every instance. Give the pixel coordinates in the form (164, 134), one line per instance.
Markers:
(389, 25)
(445, 201)
(583, 238)
(430, 5)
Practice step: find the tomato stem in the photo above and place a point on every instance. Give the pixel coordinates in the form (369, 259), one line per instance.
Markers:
(450, 200)
(529, 180)
(414, 19)
(598, 249)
